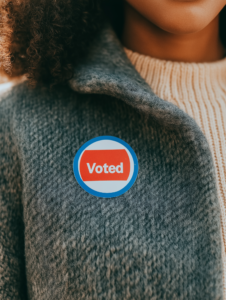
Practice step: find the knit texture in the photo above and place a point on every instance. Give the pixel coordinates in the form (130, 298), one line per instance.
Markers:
(160, 240)
(200, 91)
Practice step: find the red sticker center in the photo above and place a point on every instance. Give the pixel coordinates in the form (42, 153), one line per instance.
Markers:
(105, 165)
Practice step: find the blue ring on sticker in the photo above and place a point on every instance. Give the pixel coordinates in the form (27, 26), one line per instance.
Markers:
(106, 143)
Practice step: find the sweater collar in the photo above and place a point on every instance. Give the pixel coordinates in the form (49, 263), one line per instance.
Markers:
(107, 70)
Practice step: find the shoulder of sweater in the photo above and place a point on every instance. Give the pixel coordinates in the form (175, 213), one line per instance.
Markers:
(23, 109)
(26, 113)
(22, 98)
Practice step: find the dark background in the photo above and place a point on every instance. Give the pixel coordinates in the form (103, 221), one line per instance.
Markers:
(114, 9)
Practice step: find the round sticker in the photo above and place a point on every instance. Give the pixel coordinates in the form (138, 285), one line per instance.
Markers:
(106, 167)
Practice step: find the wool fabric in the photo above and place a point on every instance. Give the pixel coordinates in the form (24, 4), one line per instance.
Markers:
(199, 89)
(160, 240)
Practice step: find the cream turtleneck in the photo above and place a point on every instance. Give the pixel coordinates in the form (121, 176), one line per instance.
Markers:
(199, 89)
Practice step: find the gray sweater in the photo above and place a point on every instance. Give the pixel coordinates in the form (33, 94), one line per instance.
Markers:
(159, 240)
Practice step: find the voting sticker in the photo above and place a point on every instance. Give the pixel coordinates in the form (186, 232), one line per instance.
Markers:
(106, 167)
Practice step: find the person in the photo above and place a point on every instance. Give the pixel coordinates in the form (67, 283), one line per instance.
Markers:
(112, 173)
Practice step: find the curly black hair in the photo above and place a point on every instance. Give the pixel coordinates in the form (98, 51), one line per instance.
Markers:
(45, 38)
(223, 26)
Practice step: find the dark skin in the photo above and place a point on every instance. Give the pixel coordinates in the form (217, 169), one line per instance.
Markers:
(176, 30)
(46, 40)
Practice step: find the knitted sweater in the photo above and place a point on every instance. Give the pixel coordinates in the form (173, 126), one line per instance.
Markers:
(200, 91)
(159, 240)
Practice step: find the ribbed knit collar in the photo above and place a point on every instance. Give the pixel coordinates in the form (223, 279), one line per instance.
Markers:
(178, 77)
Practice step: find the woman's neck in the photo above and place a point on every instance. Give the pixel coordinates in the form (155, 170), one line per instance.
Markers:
(142, 36)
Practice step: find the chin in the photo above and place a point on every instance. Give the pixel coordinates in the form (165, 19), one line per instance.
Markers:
(178, 16)
(186, 22)
(182, 28)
